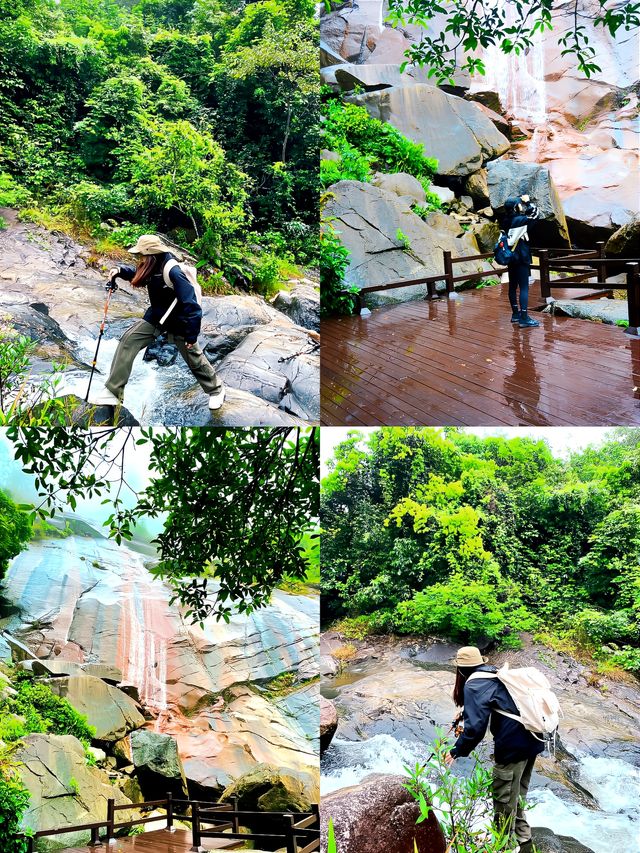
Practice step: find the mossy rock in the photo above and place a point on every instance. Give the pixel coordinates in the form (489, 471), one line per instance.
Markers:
(268, 789)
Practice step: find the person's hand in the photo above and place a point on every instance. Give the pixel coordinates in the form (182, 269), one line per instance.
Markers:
(114, 271)
(189, 346)
(525, 198)
(449, 759)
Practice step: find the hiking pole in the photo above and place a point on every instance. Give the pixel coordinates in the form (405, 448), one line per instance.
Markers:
(111, 288)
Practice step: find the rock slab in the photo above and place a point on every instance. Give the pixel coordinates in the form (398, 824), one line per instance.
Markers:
(158, 766)
(328, 723)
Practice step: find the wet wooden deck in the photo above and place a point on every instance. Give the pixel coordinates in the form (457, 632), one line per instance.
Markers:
(462, 362)
(159, 841)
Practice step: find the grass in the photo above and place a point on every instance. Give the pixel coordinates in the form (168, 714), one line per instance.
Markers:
(356, 628)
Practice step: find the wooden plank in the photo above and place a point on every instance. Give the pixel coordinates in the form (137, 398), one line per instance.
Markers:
(160, 841)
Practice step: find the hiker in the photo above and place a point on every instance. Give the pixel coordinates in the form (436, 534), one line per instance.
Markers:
(174, 310)
(515, 748)
(519, 214)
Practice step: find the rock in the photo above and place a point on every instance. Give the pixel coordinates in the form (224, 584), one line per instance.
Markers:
(110, 674)
(227, 320)
(266, 789)
(378, 76)
(64, 789)
(328, 723)
(273, 362)
(301, 304)
(487, 234)
(161, 351)
(477, 187)
(368, 219)
(466, 201)
(402, 185)
(454, 131)
(158, 766)
(328, 665)
(19, 652)
(445, 195)
(240, 408)
(592, 217)
(333, 156)
(610, 311)
(379, 816)
(351, 34)
(509, 178)
(328, 56)
(85, 415)
(547, 841)
(109, 710)
(625, 243)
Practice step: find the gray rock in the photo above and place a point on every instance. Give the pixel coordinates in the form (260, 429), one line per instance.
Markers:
(467, 201)
(86, 415)
(609, 311)
(266, 788)
(379, 816)
(595, 216)
(368, 219)
(548, 842)
(241, 408)
(402, 184)
(454, 131)
(64, 790)
(301, 304)
(19, 652)
(112, 713)
(625, 243)
(509, 178)
(158, 765)
(445, 195)
(328, 723)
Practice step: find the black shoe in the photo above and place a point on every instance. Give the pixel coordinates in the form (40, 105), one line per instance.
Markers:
(515, 315)
(526, 322)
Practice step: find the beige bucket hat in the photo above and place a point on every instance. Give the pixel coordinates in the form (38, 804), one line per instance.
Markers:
(149, 244)
(469, 656)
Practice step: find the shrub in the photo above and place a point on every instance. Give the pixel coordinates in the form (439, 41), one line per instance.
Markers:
(352, 166)
(45, 712)
(14, 799)
(91, 203)
(334, 260)
(627, 658)
(11, 193)
(266, 271)
(595, 627)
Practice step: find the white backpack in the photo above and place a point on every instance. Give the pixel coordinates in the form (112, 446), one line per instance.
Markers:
(191, 273)
(531, 692)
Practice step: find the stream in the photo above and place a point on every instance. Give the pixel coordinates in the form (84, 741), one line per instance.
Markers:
(388, 728)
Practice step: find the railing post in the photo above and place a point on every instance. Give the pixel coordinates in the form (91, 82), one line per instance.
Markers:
(633, 298)
(31, 844)
(95, 837)
(545, 281)
(448, 271)
(170, 825)
(195, 828)
(602, 268)
(235, 819)
(111, 819)
(291, 845)
(430, 290)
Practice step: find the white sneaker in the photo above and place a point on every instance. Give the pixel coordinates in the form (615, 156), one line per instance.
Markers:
(104, 397)
(216, 399)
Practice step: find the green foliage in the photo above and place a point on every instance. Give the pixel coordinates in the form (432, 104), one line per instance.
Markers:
(15, 532)
(241, 538)
(43, 711)
(349, 127)
(11, 193)
(403, 240)
(352, 166)
(14, 799)
(336, 297)
(331, 839)
(442, 532)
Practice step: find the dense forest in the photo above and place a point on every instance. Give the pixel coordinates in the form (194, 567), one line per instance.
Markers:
(197, 118)
(478, 539)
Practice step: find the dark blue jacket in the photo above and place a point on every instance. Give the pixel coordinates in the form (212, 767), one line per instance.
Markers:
(186, 318)
(512, 742)
(523, 249)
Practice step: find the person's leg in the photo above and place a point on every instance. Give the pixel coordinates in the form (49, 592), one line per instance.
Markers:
(139, 336)
(506, 790)
(523, 830)
(523, 273)
(513, 293)
(199, 365)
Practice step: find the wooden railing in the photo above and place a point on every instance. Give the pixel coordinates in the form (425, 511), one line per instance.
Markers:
(208, 820)
(295, 828)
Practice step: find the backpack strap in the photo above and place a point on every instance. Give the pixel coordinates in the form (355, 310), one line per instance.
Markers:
(165, 275)
(516, 717)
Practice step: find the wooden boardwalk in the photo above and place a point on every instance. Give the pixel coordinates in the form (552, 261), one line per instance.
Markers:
(462, 362)
(159, 841)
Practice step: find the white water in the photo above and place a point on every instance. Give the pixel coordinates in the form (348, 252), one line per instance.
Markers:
(614, 828)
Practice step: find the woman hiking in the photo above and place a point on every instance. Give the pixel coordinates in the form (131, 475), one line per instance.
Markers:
(174, 309)
(519, 214)
(515, 748)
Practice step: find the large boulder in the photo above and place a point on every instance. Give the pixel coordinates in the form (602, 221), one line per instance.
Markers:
(158, 765)
(379, 816)
(110, 711)
(477, 187)
(328, 723)
(509, 178)
(301, 304)
(227, 320)
(454, 131)
(64, 790)
(594, 216)
(625, 243)
(268, 789)
(369, 219)
(403, 185)
(547, 841)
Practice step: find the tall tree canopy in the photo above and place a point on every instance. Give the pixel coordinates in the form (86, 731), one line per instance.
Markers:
(238, 504)
(445, 532)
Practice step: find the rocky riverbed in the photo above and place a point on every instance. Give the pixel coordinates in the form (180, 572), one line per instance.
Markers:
(225, 708)
(392, 695)
(266, 352)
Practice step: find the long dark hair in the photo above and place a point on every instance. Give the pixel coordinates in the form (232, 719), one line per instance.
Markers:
(144, 270)
(462, 673)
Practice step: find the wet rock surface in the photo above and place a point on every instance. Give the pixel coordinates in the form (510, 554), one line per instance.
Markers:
(380, 814)
(158, 765)
(301, 304)
(611, 311)
(328, 723)
(548, 842)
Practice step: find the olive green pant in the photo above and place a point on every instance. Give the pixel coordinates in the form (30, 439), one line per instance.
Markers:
(139, 336)
(510, 788)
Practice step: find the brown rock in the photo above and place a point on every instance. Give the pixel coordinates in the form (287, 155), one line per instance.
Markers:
(379, 816)
(328, 723)
(476, 186)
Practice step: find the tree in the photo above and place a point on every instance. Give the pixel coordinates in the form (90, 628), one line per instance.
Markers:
(15, 531)
(236, 503)
(510, 25)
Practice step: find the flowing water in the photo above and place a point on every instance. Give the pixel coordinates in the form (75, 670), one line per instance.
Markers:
(615, 785)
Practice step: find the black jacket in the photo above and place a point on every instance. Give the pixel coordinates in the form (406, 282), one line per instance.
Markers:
(512, 742)
(523, 249)
(186, 318)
